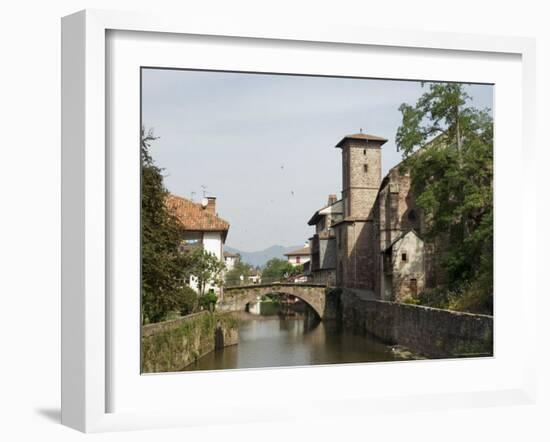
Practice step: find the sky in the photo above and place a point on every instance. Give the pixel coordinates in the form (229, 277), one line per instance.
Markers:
(263, 144)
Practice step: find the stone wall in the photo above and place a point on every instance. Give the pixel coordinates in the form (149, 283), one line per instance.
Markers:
(434, 333)
(173, 345)
(356, 264)
(324, 276)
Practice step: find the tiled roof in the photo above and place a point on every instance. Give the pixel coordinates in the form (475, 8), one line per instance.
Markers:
(302, 251)
(194, 217)
(361, 136)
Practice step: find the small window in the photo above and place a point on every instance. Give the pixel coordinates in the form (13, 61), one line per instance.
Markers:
(297, 260)
(403, 256)
(366, 167)
(364, 151)
(412, 215)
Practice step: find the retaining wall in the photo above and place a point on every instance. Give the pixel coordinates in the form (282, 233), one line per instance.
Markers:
(432, 332)
(173, 345)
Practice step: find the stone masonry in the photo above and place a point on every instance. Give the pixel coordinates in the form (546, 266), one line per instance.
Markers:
(236, 298)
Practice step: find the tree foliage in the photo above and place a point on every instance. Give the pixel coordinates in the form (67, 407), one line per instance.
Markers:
(447, 146)
(243, 269)
(207, 268)
(276, 269)
(163, 268)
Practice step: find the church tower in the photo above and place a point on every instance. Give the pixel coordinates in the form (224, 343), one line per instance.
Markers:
(361, 172)
(356, 260)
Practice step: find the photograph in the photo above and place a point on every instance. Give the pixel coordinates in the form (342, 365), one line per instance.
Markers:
(298, 220)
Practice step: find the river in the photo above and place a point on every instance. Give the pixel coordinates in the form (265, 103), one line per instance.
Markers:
(277, 341)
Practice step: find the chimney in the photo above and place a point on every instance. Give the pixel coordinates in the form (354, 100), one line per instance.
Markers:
(211, 206)
(332, 199)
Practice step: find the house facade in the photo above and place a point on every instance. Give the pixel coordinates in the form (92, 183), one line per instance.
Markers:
(202, 228)
(299, 256)
(230, 260)
(323, 243)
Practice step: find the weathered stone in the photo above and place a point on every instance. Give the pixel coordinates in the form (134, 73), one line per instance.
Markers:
(236, 298)
(172, 345)
(435, 333)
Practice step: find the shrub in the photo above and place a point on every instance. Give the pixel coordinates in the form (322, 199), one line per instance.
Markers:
(208, 301)
(188, 301)
(473, 297)
(436, 297)
(410, 300)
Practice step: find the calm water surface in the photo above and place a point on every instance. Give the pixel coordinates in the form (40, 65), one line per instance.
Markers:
(279, 341)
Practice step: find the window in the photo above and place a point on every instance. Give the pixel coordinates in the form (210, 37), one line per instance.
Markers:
(364, 151)
(411, 215)
(297, 260)
(366, 167)
(403, 256)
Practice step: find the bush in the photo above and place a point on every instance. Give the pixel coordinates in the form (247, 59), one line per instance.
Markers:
(188, 301)
(208, 301)
(436, 297)
(473, 297)
(410, 300)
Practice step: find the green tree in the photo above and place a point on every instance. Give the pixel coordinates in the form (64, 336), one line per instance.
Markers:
(207, 268)
(233, 276)
(277, 268)
(447, 146)
(163, 268)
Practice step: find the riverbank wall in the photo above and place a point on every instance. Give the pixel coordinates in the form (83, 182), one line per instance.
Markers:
(434, 333)
(173, 345)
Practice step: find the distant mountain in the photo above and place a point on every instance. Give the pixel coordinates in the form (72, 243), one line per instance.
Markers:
(260, 257)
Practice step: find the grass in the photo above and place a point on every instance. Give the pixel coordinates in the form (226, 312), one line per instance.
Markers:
(175, 347)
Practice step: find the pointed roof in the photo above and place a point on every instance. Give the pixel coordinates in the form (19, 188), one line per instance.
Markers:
(194, 217)
(362, 137)
(315, 217)
(400, 237)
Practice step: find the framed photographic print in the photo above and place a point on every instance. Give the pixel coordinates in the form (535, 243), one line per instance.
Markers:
(251, 212)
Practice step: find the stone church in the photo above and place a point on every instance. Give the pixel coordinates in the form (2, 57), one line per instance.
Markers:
(377, 238)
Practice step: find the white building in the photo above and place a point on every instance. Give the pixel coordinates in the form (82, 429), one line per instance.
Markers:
(202, 228)
(403, 266)
(230, 259)
(299, 256)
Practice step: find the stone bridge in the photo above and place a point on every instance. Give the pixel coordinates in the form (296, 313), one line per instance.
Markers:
(236, 298)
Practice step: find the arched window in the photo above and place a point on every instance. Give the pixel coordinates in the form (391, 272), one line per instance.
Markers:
(411, 216)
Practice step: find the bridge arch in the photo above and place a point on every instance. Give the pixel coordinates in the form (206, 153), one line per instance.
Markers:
(236, 298)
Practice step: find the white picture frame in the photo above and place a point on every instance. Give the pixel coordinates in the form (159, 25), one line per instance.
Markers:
(86, 352)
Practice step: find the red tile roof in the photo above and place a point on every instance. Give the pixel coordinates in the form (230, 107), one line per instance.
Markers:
(194, 217)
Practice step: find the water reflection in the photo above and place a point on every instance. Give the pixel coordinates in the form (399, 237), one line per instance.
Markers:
(291, 341)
